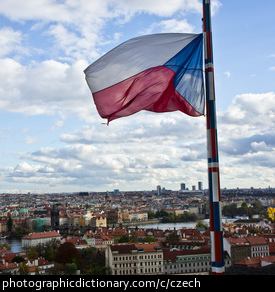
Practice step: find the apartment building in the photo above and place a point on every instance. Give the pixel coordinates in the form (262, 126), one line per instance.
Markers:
(194, 261)
(259, 246)
(135, 259)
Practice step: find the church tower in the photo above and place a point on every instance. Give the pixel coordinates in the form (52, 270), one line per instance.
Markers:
(54, 216)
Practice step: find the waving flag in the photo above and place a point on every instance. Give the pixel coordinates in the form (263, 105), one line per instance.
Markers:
(158, 73)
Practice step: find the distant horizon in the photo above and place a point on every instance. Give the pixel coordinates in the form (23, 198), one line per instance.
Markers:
(130, 191)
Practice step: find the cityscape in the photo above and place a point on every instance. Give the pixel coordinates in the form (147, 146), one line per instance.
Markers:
(154, 232)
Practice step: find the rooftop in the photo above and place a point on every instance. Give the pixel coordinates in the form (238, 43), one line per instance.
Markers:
(42, 235)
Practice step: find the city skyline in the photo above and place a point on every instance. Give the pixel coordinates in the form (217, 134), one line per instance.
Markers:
(52, 138)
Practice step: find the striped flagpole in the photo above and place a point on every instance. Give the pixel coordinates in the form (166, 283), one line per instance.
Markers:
(217, 255)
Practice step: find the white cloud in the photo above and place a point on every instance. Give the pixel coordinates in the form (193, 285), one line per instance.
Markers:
(249, 114)
(10, 42)
(171, 25)
(227, 74)
(50, 87)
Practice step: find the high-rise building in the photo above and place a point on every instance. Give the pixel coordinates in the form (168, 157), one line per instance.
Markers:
(182, 186)
(159, 190)
(200, 185)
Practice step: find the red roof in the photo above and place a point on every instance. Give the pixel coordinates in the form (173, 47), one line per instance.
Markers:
(255, 261)
(257, 240)
(42, 235)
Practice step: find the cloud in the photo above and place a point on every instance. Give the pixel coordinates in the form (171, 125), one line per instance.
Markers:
(11, 43)
(148, 149)
(249, 114)
(227, 74)
(46, 88)
(171, 25)
(124, 153)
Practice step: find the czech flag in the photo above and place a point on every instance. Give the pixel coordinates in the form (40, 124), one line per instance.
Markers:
(158, 73)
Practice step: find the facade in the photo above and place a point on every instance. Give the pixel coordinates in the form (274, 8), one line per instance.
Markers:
(189, 261)
(99, 221)
(135, 259)
(34, 239)
(237, 248)
(259, 246)
(3, 226)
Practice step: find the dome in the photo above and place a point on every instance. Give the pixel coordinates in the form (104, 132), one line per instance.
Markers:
(23, 211)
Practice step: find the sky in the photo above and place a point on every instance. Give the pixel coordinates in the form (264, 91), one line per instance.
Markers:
(52, 138)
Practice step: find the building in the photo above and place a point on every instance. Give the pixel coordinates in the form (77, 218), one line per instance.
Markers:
(192, 261)
(54, 216)
(135, 259)
(259, 246)
(3, 226)
(237, 248)
(159, 190)
(200, 186)
(182, 186)
(99, 220)
(34, 239)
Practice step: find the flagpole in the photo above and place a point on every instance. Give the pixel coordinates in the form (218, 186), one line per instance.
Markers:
(217, 254)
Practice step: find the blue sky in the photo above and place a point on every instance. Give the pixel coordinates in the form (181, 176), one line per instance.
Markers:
(53, 140)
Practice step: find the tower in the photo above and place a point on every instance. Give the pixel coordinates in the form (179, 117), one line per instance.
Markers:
(182, 186)
(54, 216)
(200, 185)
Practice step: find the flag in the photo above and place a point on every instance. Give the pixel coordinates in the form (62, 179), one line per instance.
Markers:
(158, 73)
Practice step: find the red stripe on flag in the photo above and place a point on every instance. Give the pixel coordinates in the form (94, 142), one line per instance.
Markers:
(151, 90)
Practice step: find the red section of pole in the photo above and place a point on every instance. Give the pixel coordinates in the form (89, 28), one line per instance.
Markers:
(217, 254)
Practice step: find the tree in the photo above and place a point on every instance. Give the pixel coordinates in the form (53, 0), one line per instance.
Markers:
(34, 225)
(70, 269)
(24, 269)
(93, 262)
(67, 253)
(149, 239)
(5, 245)
(18, 259)
(124, 238)
(271, 213)
(10, 223)
(201, 225)
(33, 253)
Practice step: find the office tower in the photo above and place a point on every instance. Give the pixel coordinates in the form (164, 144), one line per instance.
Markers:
(159, 190)
(200, 185)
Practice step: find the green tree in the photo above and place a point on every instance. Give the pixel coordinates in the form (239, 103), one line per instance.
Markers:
(24, 269)
(93, 262)
(149, 239)
(70, 269)
(34, 225)
(5, 245)
(33, 253)
(10, 224)
(201, 225)
(18, 259)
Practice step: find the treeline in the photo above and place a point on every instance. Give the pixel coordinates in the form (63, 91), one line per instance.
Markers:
(232, 210)
(68, 259)
(173, 218)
